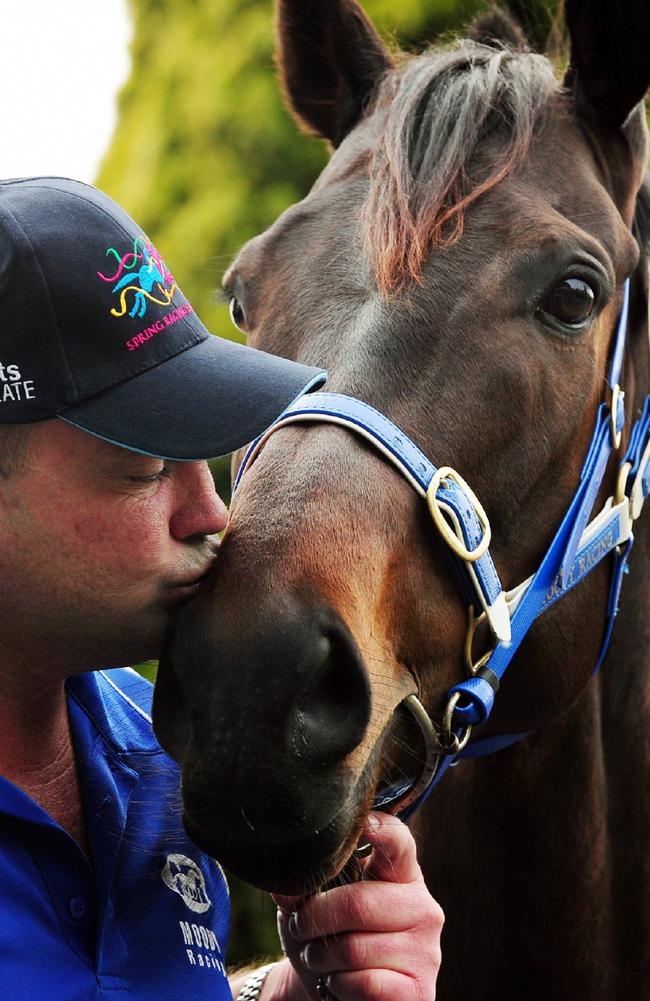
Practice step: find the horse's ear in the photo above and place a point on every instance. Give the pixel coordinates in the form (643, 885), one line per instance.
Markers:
(330, 59)
(497, 26)
(609, 68)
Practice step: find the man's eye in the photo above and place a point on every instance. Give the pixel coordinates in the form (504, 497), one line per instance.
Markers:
(237, 314)
(151, 478)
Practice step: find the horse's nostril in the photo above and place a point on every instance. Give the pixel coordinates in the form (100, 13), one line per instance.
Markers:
(332, 711)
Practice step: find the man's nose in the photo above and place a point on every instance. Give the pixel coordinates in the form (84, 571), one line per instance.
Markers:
(199, 510)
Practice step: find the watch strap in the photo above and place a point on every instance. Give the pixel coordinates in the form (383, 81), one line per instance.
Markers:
(253, 985)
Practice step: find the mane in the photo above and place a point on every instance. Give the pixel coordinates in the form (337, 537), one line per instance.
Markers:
(439, 107)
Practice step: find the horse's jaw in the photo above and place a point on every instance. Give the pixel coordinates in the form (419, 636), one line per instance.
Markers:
(300, 867)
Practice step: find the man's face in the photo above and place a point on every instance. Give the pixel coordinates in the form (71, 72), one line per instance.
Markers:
(98, 546)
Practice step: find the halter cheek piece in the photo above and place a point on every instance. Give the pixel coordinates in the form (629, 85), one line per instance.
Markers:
(578, 547)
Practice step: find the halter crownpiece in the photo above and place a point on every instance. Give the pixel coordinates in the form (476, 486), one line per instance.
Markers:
(577, 548)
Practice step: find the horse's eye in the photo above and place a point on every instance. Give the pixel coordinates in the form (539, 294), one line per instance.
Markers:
(237, 314)
(571, 302)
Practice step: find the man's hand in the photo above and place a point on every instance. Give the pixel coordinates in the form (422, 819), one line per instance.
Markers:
(376, 940)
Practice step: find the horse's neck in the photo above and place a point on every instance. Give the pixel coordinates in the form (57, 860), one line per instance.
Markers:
(546, 831)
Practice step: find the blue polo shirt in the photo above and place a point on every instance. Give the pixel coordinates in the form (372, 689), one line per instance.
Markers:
(147, 914)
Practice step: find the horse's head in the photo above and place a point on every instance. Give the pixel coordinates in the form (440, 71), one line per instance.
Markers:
(459, 265)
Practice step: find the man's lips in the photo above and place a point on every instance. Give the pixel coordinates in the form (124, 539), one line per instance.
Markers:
(190, 582)
(180, 591)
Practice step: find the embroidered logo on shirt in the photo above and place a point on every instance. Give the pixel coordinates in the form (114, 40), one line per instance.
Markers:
(184, 877)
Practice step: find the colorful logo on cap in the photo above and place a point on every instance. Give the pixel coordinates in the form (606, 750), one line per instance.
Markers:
(141, 277)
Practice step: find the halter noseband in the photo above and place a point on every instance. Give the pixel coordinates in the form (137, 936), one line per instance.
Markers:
(577, 548)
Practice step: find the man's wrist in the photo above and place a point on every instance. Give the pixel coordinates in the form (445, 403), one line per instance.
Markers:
(251, 988)
(280, 983)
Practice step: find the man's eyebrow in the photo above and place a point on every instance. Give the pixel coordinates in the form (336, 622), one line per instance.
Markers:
(121, 456)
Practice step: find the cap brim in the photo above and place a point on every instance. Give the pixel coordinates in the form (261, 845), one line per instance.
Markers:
(206, 401)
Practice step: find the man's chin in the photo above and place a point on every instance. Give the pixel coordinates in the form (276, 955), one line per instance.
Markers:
(145, 648)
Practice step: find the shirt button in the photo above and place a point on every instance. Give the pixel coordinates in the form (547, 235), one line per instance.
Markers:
(78, 908)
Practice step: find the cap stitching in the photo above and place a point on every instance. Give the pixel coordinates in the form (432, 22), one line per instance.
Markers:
(145, 367)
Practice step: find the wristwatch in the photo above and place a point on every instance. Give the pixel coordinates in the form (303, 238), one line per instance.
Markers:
(253, 985)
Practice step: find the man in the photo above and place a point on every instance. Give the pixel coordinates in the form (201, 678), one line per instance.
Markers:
(112, 393)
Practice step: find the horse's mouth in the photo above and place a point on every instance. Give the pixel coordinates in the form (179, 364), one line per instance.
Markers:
(291, 867)
(280, 850)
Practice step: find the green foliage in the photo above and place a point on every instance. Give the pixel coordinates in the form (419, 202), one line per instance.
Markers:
(254, 933)
(205, 156)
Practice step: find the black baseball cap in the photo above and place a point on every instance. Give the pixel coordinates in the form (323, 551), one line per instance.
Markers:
(94, 330)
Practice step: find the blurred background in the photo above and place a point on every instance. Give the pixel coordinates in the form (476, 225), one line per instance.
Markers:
(172, 108)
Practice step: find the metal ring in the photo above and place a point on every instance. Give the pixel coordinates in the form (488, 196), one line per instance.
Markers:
(322, 992)
(456, 743)
(452, 540)
(432, 751)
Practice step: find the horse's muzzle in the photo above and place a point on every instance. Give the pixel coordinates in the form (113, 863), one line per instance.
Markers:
(264, 720)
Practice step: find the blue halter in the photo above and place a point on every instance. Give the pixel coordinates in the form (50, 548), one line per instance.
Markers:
(577, 548)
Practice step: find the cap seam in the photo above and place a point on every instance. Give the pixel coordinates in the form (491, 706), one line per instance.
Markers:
(44, 177)
(73, 381)
(82, 198)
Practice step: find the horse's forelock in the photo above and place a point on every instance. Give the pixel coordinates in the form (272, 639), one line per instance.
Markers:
(438, 108)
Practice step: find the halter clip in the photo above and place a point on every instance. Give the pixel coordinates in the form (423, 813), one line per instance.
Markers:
(617, 416)
(471, 665)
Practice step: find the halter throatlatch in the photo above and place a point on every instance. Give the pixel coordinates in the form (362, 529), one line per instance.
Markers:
(578, 547)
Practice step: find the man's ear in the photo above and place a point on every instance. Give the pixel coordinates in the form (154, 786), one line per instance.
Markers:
(330, 59)
(609, 68)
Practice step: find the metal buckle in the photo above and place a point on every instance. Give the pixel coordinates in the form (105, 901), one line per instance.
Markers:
(617, 397)
(455, 544)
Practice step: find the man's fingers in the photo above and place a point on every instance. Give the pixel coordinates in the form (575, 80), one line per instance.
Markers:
(394, 857)
(366, 907)
(375, 985)
(372, 940)
(286, 904)
(362, 951)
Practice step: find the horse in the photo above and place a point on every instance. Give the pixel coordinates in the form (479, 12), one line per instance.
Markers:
(459, 267)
